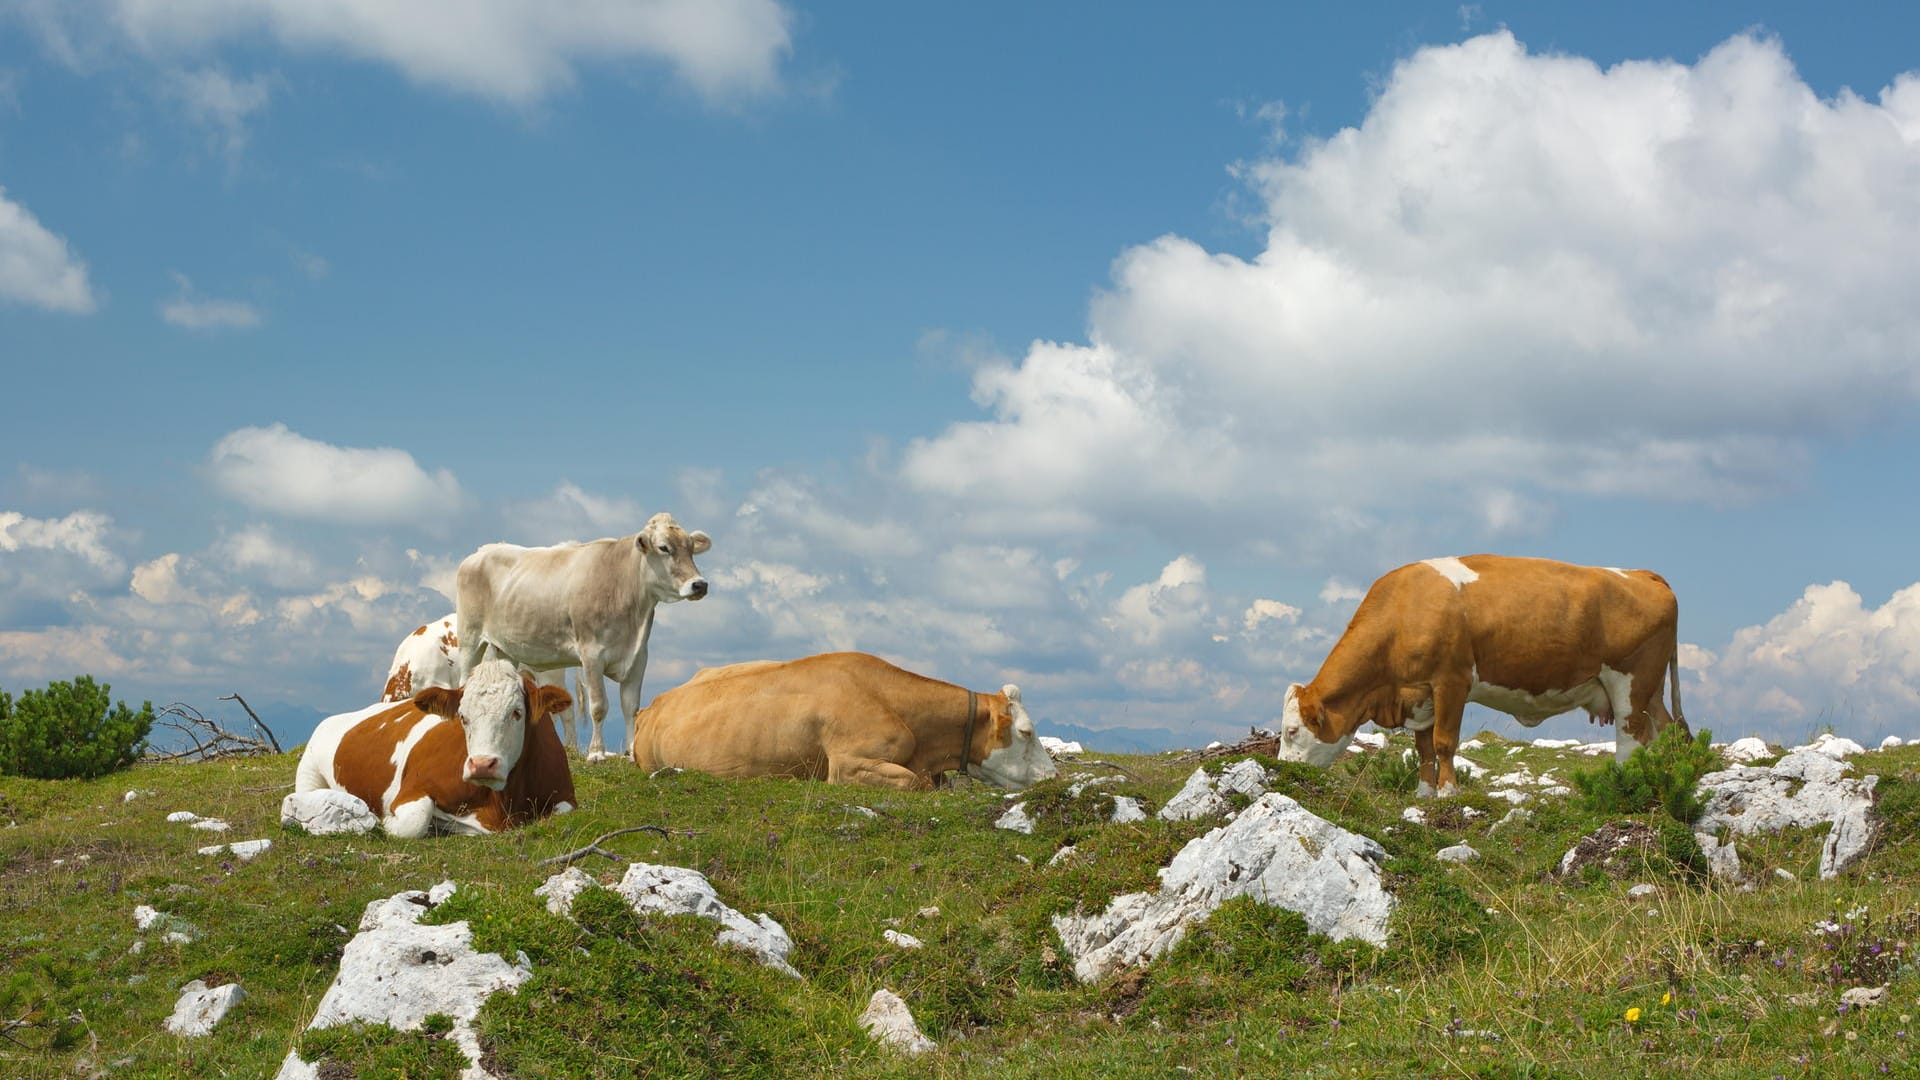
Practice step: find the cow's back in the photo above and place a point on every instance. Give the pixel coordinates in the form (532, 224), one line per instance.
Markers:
(1538, 623)
(527, 601)
(761, 717)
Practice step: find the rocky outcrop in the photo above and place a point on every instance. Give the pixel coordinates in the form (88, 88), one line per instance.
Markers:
(1805, 789)
(397, 973)
(1276, 852)
(650, 889)
(1206, 796)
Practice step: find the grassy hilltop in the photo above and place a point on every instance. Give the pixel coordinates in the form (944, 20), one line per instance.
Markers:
(1495, 969)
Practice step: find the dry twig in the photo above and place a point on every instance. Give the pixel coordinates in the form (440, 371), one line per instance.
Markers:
(595, 849)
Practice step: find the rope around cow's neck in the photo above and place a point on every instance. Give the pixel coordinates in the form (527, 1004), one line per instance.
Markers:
(966, 740)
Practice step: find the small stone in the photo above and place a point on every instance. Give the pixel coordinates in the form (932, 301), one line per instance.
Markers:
(901, 941)
(1514, 816)
(1127, 809)
(1458, 853)
(1892, 742)
(1784, 874)
(247, 849)
(214, 849)
(1865, 997)
(1016, 819)
(210, 825)
(1642, 891)
(929, 912)
(888, 1021)
(1414, 814)
(199, 1009)
(179, 816)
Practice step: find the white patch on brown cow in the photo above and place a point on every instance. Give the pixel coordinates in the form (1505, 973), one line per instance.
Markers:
(1453, 570)
(401, 749)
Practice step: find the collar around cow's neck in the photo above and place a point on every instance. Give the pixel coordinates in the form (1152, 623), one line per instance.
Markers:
(966, 740)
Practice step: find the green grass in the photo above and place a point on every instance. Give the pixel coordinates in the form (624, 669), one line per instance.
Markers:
(1494, 968)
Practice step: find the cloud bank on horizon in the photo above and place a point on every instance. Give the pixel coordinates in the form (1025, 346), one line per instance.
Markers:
(1522, 278)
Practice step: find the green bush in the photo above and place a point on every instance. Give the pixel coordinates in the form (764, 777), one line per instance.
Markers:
(70, 730)
(1659, 776)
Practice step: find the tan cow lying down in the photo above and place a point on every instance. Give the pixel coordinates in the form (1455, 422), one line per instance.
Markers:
(1532, 638)
(847, 718)
(478, 759)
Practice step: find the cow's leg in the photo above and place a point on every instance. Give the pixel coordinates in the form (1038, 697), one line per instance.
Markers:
(411, 820)
(593, 686)
(869, 772)
(1423, 742)
(1449, 705)
(630, 692)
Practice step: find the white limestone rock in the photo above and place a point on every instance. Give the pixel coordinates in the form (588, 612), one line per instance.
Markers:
(1458, 853)
(676, 890)
(1515, 816)
(1643, 891)
(210, 825)
(901, 941)
(326, 812)
(1723, 862)
(1805, 789)
(1370, 740)
(1056, 747)
(1746, 751)
(1196, 799)
(1832, 746)
(1016, 819)
(397, 972)
(200, 1009)
(1275, 851)
(1067, 853)
(180, 816)
(1556, 744)
(1865, 997)
(1596, 749)
(561, 889)
(1126, 808)
(1892, 742)
(1469, 745)
(241, 849)
(1414, 814)
(890, 1023)
(145, 917)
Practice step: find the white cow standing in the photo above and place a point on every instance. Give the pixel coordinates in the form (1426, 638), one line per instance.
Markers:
(578, 605)
(430, 656)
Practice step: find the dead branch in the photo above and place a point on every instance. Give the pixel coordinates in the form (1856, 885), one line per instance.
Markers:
(208, 740)
(255, 717)
(595, 849)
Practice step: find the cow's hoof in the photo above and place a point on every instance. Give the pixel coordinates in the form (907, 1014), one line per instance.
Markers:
(596, 757)
(1424, 791)
(1449, 791)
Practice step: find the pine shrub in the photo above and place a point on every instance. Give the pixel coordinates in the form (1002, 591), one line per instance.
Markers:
(1659, 776)
(70, 729)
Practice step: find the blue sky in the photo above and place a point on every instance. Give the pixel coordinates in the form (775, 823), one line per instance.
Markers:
(1108, 349)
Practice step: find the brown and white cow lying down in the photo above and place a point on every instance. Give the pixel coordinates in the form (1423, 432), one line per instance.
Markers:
(474, 760)
(430, 656)
(847, 718)
(1532, 638)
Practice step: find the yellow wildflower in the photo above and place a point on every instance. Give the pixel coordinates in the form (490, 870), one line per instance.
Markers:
(1633, 1015)
(1666, 998)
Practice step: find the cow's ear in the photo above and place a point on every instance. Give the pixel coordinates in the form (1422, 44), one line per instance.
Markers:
(548, 700)
(1011, 692)
(438, 700)
(1002, 729)
(701, 542)
(640, 541)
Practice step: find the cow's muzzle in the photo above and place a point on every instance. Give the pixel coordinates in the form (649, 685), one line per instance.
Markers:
(695, 589)
(484, 771)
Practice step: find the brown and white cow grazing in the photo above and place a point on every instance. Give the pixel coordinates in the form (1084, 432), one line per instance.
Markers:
(578, 605)
(1532, 638)
(430, 656)
(478, 759)
(847, 718)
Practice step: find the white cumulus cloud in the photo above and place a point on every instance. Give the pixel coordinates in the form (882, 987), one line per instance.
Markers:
(272, 468)
(37, 267)
(83, 533)
(511, 51)
(1522, 276)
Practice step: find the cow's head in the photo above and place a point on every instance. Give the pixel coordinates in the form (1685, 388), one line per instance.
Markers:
(495, 708)
(1016, 757)
(669, 550)
(1302, 719)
